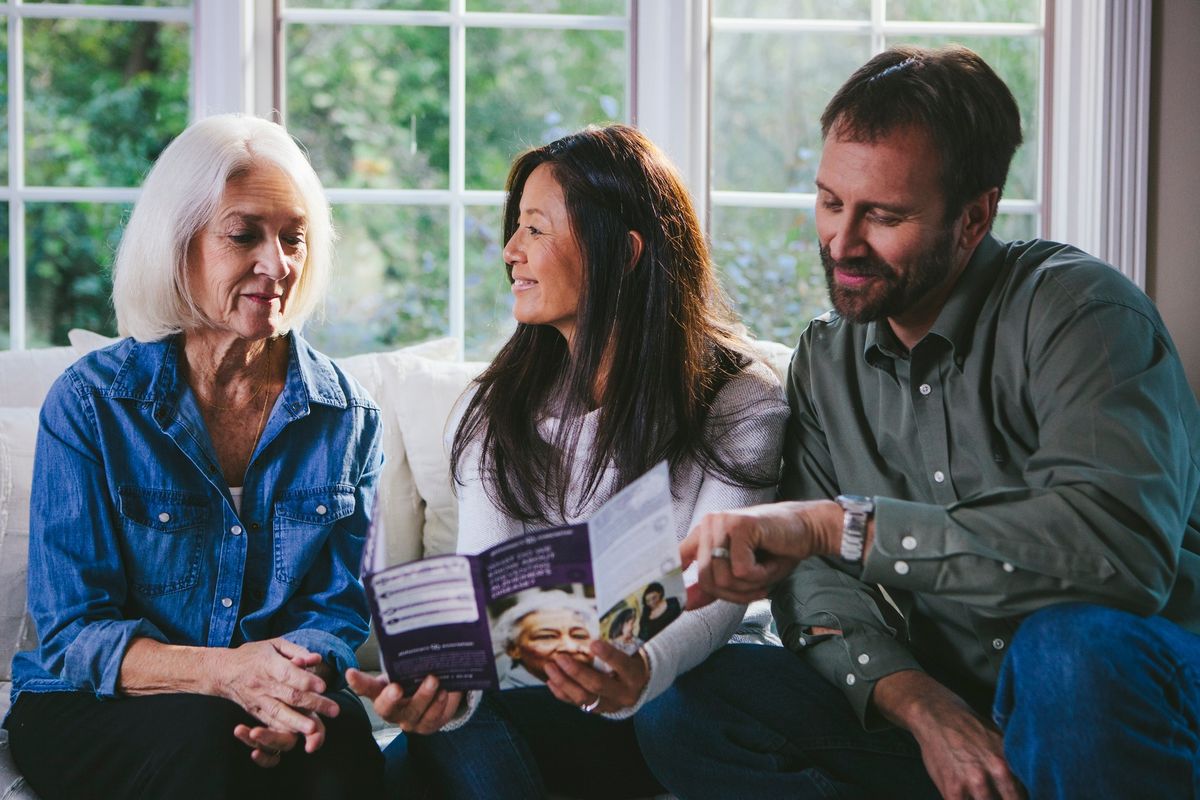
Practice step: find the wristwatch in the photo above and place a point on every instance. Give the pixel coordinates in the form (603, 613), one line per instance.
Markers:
(854, 525)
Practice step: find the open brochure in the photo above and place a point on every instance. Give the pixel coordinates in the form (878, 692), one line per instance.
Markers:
(494, 619)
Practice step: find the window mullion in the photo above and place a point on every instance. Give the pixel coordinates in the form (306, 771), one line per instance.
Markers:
(671, 71)
(458, 150)
(222, 60)
(16, 179)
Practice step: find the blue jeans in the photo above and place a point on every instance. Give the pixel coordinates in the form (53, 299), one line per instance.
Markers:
(522, 744)
(755, 722)
(1100, 703)
(1093, 703)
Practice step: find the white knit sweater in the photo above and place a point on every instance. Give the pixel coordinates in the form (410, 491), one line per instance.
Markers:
(753, 414)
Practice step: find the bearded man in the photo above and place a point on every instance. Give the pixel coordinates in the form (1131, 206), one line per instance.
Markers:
(1006, 589)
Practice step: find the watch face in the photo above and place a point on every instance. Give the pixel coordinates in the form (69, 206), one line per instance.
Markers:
(856, 502)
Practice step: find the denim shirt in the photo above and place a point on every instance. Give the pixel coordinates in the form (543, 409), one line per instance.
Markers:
(133, 532)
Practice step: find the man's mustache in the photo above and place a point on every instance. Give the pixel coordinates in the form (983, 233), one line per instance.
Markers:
(859, 267)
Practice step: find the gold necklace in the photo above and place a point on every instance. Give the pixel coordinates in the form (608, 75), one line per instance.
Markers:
(262, 416)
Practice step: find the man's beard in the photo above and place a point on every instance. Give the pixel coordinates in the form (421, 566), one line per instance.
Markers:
(890, 294)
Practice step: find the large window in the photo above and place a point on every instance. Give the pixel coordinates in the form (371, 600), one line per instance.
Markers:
(412, 111)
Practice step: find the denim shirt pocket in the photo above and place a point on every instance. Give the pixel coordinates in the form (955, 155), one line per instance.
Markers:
(303, 520)
(162, 538)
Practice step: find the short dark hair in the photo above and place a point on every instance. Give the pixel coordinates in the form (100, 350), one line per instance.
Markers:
(661, 326)
(953, 95)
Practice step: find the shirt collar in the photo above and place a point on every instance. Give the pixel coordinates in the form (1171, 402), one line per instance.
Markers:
(150, 373)
(959, 316)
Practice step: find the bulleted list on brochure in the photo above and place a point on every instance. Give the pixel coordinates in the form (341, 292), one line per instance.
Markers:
(493, 620)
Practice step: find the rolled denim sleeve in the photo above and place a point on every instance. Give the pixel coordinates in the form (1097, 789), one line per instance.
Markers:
(329, 614)
(77, 582)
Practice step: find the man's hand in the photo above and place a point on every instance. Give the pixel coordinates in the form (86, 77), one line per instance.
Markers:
(427, 711)
(764, 542)
(963, 754)
(582, 684)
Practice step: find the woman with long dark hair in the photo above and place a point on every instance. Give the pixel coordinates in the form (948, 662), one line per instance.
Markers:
(625, 355)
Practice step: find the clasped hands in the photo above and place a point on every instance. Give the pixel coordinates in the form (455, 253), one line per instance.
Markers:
(275, 682)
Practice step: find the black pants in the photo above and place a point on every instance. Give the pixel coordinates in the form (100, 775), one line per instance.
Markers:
(74, 745)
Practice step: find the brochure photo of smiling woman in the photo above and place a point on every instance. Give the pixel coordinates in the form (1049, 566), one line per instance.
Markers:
(530, 627)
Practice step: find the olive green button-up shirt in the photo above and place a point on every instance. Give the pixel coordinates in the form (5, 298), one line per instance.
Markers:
(1039, 445)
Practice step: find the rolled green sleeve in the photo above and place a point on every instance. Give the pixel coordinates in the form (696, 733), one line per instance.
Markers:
(819, 594)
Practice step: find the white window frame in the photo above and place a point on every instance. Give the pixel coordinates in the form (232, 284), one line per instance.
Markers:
(1099, 151)
(1095, 162)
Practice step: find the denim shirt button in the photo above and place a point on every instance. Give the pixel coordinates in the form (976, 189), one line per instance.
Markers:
(236, 530)
(322, 510)
(227, 602)
(164, 517)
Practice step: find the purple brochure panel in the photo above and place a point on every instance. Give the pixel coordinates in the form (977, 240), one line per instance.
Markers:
(549, 558)
(431, 618)
(541, 603)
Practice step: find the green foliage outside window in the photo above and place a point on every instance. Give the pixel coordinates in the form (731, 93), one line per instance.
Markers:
(102, 100)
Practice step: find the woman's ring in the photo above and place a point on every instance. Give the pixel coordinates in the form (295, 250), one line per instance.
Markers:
(588, 708)
(719, 552)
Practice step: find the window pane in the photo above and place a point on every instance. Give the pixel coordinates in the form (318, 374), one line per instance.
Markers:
(69, 255)
(402, 5)
(768, 93)
(102, 99)
(529, 87)
(1015, 227)
(798, 9)
(5, 319)
(1017, 60)
(391, 284)
(608, 8)
(771, 268)
(371, 103)
(4, 113)
(489, 299)
(965, 10)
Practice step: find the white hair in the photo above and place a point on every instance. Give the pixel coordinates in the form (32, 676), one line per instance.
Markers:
(180, 197)
(508, 625)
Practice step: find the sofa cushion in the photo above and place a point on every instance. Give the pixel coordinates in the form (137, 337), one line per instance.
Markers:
(18, 433)
(35, 372)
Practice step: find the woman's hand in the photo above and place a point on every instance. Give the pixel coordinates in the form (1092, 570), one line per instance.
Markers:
(267, 746)
(583, 685)
(427, 711)
(273, 680)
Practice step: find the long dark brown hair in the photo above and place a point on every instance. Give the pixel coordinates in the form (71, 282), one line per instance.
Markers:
(659, 326)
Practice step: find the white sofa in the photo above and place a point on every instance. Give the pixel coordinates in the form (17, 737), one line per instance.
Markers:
(414, 386)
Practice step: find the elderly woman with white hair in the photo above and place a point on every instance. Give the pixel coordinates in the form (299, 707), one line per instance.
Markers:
(200, 502)
(541, 624)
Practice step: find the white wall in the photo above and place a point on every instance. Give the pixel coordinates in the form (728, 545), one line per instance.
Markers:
(1173, 268)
